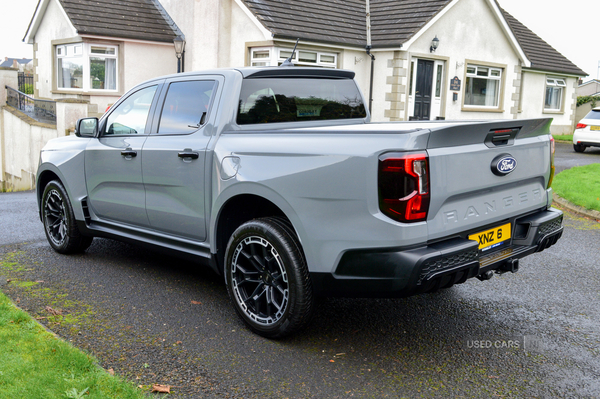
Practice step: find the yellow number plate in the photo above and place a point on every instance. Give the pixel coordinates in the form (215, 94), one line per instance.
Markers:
(493, 237)
(594, 127)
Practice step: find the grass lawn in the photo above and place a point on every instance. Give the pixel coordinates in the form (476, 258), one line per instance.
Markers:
(36, 364)
(563, 137)
(580, 185)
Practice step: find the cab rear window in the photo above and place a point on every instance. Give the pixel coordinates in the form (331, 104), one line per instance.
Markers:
(274, 100)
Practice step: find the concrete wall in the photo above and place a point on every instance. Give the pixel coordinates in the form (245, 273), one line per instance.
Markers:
(589, 88)
(21, 141)
(582, 111)
(22, 138)
(216, 32)
(8, 77)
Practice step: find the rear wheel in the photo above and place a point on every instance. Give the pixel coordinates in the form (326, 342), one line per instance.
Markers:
(578, 147)
(267, 278)
(59, 221)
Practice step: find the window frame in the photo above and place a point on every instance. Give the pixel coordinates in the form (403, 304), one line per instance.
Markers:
(163, 98)
(86, 56)
(158, 94)
(552, 82)
(502, 69)
(275, 57)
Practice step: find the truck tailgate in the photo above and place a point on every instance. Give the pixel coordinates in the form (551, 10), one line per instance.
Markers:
(469, 191)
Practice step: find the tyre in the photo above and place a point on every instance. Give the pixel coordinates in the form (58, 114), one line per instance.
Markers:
(578, 147)
(267, 278)
(59, 221)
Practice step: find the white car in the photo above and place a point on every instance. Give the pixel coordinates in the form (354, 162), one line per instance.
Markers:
(587, 131)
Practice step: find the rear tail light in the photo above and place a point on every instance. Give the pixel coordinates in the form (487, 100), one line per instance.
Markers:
(580, 126)
(552, 169)
(403, 182)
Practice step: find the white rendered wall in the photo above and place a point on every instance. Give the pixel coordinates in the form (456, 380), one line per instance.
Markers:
(470, 31)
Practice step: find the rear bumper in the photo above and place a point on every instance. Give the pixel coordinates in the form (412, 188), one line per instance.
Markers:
(398, 272)
(588, 143)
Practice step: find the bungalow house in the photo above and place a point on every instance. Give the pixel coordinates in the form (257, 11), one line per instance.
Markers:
(433, 59)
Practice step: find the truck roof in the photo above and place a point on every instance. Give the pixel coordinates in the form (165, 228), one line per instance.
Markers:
(269, 72)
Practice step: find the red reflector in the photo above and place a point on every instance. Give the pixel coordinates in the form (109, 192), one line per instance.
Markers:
(580, 126)
(503, 131)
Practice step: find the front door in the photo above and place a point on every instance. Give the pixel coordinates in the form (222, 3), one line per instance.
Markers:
(423, 90)
(113, 162)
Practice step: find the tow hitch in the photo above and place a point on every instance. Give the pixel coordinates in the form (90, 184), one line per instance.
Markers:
(511, 265)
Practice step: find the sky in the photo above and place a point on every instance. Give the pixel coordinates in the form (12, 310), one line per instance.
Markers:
(570, 26)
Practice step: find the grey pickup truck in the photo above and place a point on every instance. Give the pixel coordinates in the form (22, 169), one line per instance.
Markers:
(277, 180)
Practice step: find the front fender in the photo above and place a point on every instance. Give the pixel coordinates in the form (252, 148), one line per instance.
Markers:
(64, 159)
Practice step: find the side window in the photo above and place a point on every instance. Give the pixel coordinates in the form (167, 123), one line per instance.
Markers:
(186, 106)
(131, 115)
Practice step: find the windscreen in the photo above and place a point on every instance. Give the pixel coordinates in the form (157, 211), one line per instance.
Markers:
(273, 100)
(593, 115)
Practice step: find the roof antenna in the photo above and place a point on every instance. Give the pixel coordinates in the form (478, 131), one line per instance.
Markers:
(288, 62)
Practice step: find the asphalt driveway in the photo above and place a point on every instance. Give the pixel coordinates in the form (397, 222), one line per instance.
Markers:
(157, 319)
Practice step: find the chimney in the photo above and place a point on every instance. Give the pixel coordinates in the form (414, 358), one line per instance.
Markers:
(15, 64)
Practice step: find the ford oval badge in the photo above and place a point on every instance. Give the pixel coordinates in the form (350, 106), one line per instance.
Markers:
(503, 164)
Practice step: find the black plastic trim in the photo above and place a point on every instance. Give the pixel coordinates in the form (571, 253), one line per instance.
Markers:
(588, 144)
(401, 272)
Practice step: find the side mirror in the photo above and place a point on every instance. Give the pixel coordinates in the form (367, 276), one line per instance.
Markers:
(86, 127)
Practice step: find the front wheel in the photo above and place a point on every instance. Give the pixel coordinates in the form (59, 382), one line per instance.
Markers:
(59, 221)
(267, 278)
(578, 147)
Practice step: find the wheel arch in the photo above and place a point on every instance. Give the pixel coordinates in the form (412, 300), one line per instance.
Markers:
(240, 208)
(43, 178)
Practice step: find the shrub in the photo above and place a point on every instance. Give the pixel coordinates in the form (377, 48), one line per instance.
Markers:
(26, 88)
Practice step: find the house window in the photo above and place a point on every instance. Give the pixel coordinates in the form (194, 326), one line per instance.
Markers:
(482, 86)
(261, 57)
(555, 88)
(272, 56)
(438, 82)
(70, 66)
(103, 68)
(86, 67)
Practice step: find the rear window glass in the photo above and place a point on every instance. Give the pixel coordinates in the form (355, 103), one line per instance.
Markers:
(272, 100)
(593, 115)
(186, 106)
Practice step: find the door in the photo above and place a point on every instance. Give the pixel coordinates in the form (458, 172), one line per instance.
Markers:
(423, 90)
(113, 164)
(174, 159)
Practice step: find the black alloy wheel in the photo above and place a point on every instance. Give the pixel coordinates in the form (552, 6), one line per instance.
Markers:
(267, 278)
(59, 221)
(578, 147)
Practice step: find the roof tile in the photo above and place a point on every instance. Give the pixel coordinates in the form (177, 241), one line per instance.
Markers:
(132, 19)
(542, 56)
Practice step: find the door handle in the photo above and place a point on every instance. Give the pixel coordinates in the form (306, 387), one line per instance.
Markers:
(188, 154)
(129, 153)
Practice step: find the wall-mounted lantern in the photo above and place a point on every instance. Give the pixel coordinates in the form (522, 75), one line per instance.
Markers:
(434, 44)
(179, 43)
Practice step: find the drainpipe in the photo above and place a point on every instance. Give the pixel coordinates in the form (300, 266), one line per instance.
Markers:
(368, 49)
